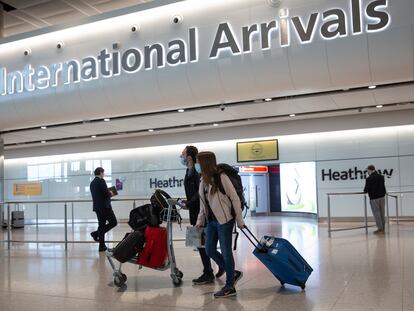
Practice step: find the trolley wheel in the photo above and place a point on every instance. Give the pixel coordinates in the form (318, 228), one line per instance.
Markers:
(178, 273)
(119, 279)
(176, 280)
(282, 283)
(303, 286)
(124, 277)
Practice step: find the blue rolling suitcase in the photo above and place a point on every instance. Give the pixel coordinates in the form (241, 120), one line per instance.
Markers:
(282, 259)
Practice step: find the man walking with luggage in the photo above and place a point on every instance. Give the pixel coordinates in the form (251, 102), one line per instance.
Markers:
(375, 187)
(191, 185)
(101, 197)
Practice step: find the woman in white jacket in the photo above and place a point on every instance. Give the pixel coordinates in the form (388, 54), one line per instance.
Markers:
(216, 209)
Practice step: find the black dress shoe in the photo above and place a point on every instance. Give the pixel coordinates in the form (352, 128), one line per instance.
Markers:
(237, 276)
(94, 236)
(102, 248)
(220, 273)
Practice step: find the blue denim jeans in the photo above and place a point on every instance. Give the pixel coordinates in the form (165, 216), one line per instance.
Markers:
(223, 233)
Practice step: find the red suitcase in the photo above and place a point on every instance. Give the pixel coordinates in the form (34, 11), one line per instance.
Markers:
(155, 251)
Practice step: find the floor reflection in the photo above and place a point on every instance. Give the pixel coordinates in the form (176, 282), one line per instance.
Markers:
(352, 271)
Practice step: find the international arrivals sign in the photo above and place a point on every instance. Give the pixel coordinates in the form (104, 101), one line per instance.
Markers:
(359, 17)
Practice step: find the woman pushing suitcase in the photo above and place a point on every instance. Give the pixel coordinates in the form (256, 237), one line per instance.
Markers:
(220, 209)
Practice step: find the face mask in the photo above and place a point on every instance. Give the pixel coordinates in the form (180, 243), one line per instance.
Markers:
(183, 161)
(197, 168)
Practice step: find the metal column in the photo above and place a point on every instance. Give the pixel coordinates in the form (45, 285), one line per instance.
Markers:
(366, 213)
(1, 20)
(1, 175)
(66, 227)
(329, 216)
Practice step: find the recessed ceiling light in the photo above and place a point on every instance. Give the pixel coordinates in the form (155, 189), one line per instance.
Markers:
(292, 115)
(268, 99)
(93, 136)
(150, 130)
(181, 110)
(43, 127)
(379, 106)
(371, 87)
(107, 119)
(43, 141)
(216, 124)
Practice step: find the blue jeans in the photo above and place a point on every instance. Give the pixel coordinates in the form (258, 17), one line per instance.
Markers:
(225, 260)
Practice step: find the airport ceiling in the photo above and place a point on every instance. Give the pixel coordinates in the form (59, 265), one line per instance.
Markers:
(309, 106)
(27, 15)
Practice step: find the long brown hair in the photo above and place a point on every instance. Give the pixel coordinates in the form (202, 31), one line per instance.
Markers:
(208, 164)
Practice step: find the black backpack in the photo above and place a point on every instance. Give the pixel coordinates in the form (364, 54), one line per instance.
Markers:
(236, 180)
(160, 200)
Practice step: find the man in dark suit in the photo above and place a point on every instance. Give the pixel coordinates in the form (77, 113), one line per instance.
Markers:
(101, 197)
(191, 185)
(375, 187)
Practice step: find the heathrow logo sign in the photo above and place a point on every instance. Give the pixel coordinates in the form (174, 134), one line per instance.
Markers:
(352, 174)
(359, 17)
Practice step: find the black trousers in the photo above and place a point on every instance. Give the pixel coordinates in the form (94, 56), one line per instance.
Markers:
(105, 215)
(206, 261)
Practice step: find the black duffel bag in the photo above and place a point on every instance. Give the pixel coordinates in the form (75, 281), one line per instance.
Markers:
(131, 245)
(143, 216)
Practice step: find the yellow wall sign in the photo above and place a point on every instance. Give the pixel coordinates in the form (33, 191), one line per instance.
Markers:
(27, 188)
(265, 150)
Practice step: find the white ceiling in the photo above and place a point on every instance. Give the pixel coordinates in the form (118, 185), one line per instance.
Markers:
(330, 105)
(35, 14)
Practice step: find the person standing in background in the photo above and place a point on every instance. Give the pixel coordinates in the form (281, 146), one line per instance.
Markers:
(101, 197)
(375, 187)
(191, 185)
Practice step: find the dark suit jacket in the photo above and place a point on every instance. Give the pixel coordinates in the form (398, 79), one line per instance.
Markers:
(375, 186)
(100, 194)
(191, 185)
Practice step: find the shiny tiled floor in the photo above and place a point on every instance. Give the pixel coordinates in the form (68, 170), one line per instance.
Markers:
(353, 271)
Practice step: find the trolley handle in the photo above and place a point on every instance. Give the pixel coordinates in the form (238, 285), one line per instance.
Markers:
(262, 249)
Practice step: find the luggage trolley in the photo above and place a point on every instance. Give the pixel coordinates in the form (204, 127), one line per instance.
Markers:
(176, 275)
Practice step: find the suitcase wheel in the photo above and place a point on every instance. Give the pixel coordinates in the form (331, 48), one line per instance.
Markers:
(120, 279)
(300, 284)
(282, 283)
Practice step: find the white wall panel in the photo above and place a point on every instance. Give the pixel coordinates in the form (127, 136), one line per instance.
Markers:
(407, 171)
(357, 144)
(309, 66)
(406, 141)
(279, 71)
(348, 61)
(297, 148)
(346, 100)
(386, 65)
(348, 176)
(336, 154)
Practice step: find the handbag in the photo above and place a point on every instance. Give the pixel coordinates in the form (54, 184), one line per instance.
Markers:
(195, 238)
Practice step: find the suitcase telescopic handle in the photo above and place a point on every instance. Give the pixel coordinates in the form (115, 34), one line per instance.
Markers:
(261, 249)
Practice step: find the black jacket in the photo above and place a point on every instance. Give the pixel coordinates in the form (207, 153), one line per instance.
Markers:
(191, 185)
(100, 194)
(375, 186)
